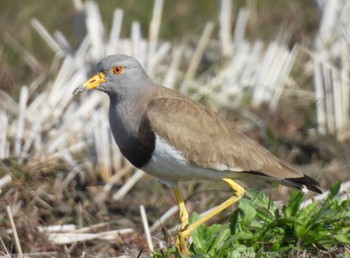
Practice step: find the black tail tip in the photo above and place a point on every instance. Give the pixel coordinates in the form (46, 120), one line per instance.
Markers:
(304, 183)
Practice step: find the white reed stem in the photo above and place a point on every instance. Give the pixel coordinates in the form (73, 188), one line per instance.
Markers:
(128, 185)
(225, 27)
(46, 36)
(197, 55)
(14, 231)
(164, 218)
(21, 119)
(4, 181)
(146, 228)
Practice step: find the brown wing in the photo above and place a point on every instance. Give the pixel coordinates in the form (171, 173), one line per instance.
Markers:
(207, 140)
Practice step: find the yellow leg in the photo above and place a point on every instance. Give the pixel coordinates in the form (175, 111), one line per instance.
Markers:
(181, 240)
(182, 209)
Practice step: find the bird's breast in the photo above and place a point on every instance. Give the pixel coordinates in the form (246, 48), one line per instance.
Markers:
(135, 139)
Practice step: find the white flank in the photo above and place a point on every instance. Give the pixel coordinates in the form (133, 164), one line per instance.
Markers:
(304, 189)
(170, 165)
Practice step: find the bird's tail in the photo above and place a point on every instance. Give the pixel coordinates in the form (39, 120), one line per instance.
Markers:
(304, 184)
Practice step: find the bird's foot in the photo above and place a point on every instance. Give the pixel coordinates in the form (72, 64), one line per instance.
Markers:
(181, 242)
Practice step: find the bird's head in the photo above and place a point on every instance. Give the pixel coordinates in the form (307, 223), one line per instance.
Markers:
(117, 75)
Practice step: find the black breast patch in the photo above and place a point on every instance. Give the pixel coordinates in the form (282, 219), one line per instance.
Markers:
(140, 149)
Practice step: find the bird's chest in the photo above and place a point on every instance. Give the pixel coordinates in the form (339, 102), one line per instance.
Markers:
(135, 142)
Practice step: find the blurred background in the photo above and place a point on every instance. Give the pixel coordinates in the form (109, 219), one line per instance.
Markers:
(277, 69)
(180, 19)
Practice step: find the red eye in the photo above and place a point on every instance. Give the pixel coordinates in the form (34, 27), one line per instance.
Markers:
(117, 70)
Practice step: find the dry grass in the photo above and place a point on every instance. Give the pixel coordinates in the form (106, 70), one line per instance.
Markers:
(58, 162)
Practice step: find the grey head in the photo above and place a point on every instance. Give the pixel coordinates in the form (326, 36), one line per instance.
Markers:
(120, 76)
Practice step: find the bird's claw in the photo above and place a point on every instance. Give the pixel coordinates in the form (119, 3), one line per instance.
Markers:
(181, 242)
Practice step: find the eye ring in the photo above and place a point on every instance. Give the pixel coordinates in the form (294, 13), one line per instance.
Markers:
(117, 70)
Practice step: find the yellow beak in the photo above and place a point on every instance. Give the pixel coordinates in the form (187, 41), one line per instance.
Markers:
(93, 82)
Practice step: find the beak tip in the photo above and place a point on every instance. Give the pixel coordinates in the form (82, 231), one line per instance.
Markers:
(79, 90)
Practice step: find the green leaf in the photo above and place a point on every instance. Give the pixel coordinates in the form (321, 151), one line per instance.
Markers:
(198, 235)
(234, 227)
(275, 246)
(334, 189)
(295, 200)
(341, 238)
(219, 240)
(300, 231)
(243, 235)
(248, 211)
(261, 201)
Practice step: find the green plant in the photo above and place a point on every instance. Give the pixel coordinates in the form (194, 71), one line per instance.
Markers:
(258, 228)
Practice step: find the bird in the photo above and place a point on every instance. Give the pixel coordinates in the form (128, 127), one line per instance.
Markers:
(175, 139)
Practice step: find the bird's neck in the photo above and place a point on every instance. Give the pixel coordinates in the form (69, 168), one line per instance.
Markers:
(121, 113)
(125, 120)
(125, 115)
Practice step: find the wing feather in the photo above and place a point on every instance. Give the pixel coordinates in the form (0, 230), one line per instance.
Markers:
(207, 140)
